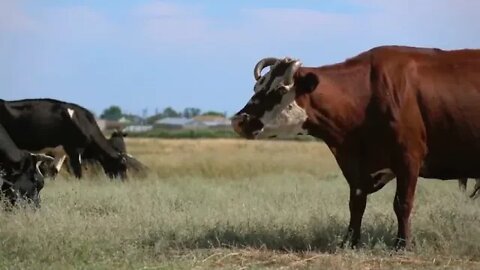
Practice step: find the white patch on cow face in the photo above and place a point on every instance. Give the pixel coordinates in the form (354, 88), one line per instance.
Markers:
(70, 112)
(79, 159)
(286, 119)
(358, 192)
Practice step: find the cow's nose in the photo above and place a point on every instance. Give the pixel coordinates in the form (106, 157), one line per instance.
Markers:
(237, 123)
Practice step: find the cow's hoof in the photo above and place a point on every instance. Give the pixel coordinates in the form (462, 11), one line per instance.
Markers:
(350, 243)
(404, 245)
(400, 244)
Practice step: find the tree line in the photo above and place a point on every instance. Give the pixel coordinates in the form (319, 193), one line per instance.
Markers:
(114, 113)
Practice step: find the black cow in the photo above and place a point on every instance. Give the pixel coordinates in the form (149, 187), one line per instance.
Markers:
(35, 124)
(116, 140)
(20, 177)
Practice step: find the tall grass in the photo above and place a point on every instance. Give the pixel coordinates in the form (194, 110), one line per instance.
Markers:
(232, 204)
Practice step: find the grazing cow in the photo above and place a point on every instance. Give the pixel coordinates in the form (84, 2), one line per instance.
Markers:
(462, 183)
(20, 177)
(116, 140)
(35, 124)
(390, 112)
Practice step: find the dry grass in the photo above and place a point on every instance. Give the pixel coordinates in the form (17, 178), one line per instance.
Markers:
(229, 158)
(233, 204)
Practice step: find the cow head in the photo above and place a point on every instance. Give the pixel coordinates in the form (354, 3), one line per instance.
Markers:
(116, 167)
(26, 182)
(117, 141)
(272, 111)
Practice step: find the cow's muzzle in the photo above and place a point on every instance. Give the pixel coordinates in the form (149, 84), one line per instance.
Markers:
(246, 126)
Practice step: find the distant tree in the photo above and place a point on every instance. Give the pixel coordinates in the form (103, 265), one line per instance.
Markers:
(191, 112)
(112, 113)
(213, 113)
(170, 112)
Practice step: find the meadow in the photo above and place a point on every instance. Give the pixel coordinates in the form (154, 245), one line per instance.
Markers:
(233, 204)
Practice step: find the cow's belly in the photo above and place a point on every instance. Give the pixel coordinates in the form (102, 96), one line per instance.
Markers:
(450, 162)
(451, 117)
(36, 137)
(41, 139)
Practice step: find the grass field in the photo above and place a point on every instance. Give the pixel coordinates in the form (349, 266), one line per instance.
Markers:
(233, 204)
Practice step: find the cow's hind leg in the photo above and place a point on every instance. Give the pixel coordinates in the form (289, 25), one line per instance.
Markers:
(75, 156)
(462, 184)
(476, 189)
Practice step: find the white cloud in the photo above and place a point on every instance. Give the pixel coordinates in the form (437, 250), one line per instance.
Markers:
(442, 23)
(52, 24)
(171, 24)
(12, 17)
(168, 25)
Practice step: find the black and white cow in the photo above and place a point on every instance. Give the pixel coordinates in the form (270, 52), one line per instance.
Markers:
(20, 177)
(35, 124)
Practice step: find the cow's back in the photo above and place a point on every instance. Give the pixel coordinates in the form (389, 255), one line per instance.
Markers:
(51, 122)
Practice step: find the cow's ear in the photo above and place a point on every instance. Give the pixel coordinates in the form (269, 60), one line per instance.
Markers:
(306, 83)
(124, 134)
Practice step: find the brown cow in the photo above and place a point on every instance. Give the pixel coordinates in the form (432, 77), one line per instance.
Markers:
(389, 112)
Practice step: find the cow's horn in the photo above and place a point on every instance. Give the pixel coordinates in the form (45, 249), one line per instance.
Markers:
(265, 62)
(37, 167)
(291, 72)
(42, 157)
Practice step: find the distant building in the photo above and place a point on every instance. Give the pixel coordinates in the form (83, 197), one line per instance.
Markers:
(198, 122)
(172, 122)
(138, 128)
(213, 121)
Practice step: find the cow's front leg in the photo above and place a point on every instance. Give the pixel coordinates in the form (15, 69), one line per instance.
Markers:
(357, 205)
(403, 202)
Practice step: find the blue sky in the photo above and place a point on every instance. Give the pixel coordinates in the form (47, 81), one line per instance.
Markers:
(154, 54)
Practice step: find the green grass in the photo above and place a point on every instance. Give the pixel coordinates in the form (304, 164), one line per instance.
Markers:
(290, 212)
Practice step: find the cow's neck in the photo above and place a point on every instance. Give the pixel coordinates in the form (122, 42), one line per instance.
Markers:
(337, 106)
